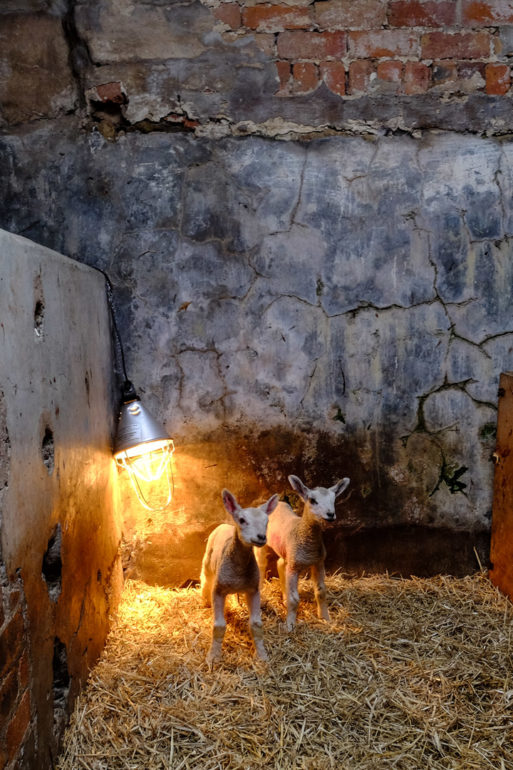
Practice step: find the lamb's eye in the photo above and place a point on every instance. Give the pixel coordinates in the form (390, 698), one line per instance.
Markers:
(313, 500)
(242, 521)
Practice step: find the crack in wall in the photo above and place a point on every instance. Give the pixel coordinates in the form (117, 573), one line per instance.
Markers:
(300, 191)
(79, 53)
(499, 173)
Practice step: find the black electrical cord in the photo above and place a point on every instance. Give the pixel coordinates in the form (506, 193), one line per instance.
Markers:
(129, 392)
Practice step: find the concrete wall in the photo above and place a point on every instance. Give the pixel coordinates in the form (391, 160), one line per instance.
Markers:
(348, 311)
(60, 568)
(305, 209)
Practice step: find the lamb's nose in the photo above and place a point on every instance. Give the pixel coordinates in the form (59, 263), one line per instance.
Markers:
(331, 516)
(261, 539)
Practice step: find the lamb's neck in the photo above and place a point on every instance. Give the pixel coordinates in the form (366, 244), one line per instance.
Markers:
(241, 552)
(310, 525)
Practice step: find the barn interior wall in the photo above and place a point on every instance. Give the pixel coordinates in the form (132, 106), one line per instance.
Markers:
(305, 213)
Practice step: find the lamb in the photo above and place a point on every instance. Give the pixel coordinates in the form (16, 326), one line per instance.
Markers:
(229, 566)
(299, 545)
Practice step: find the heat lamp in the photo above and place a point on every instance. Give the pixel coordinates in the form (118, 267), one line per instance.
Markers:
(144, 449)
(142, 445)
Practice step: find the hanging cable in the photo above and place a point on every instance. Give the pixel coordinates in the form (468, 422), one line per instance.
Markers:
(128, 389)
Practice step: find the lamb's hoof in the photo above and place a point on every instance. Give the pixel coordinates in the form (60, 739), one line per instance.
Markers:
(213, 658)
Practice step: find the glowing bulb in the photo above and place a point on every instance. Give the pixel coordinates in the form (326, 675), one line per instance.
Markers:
(147, 465)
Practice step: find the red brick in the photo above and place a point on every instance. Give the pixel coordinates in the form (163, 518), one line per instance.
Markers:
(229, 14)
(334, 75)
(472, 75)
(416, 77)
(444, 72)
(390, 71)
(481, 14)
(176, 117)
(349, 14)
(359, 76)
(305, 76)
(111, 92)
(497, 79)
(284, 70)
(413, 13)
(299, 44)
(469, 75)
(275, 18)
(383, 43)
(18, 726)
(459, 45)
(266, 42)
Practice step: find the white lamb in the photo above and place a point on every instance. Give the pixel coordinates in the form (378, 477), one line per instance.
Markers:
(229, 566)
(299, 545)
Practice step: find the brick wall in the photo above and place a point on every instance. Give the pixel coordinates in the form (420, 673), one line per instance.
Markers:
(16, 733)
(217, 68)
(372, 46)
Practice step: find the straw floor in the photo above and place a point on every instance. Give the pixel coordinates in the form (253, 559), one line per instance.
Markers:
(409, 674)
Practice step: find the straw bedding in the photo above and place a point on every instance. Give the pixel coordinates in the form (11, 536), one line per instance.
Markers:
(408, 674)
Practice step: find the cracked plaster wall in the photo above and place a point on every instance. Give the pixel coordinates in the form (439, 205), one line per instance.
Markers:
(336, 307)
(312, 280)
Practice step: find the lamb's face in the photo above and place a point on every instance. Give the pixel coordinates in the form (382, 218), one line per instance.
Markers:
(252, 525)
(322, 503)
(321, 500)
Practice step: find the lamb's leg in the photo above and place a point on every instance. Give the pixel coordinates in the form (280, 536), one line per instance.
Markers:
(205, 589)
(261, 557)
(291, 581)
(218, 628)
(255, 623)
(282, 568)
(318, 575)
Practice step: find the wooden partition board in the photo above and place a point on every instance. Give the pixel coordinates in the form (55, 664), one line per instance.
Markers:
(501, 550)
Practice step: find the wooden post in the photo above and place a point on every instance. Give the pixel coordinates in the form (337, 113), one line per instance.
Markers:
(501, 552)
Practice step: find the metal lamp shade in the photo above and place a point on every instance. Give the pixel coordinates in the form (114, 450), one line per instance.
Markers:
(138, 431)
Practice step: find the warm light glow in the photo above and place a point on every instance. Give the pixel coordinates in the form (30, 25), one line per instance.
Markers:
(147, 460)
(147, 464)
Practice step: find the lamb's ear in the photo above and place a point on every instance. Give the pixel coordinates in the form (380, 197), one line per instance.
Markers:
(339, 487)
(229, 502)
(297, 484)
(270, 505)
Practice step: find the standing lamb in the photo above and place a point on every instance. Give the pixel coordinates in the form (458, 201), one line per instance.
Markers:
(229, 566)
(299, 545)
